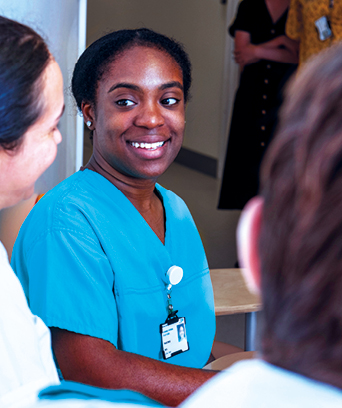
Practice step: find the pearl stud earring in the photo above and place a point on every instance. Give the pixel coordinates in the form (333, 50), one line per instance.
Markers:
(88, 123)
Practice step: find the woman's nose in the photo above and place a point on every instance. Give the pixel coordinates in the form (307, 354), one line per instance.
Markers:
(149, 116)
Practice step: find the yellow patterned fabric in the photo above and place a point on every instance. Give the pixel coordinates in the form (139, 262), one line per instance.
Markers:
(301, 27)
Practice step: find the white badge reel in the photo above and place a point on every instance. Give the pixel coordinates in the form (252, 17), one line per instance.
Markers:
(173, 331)
(174, 275)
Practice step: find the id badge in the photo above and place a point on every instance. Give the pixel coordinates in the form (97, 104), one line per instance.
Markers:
(173, 336)
(323, 28)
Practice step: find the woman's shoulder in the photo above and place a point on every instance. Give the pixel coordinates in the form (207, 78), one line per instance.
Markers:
(62, 207)
(75, 190)
(172, 198)
(65, 209)
(247, 16)
(250, 5)
(175, 207)
(64, 192)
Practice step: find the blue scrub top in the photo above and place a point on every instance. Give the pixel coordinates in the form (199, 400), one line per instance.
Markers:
(90, 263)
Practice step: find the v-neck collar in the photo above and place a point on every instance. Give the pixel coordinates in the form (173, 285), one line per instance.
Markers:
(136, 214)
(270, 16)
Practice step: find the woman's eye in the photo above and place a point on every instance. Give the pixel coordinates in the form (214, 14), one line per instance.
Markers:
(125, 102)
(169, 101)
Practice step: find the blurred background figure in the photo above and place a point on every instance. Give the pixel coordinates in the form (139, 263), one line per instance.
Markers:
(267, 58)
(314, 24)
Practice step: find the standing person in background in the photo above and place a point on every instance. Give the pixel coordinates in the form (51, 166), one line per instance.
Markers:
(267, 58)
(314, 24)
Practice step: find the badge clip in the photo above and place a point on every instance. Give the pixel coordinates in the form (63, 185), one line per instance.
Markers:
(172, 317)
(323, 28)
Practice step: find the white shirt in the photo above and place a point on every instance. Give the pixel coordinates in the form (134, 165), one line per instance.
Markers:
(257, 384)
(26, 362)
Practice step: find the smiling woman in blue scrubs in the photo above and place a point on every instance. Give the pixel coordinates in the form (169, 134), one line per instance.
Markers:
(94, 253)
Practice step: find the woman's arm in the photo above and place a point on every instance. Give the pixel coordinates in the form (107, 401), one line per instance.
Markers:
(280, 49)
(97, 362)
(282, 41)
(242, 41)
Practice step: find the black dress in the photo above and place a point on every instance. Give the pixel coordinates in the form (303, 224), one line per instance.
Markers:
(255, 108)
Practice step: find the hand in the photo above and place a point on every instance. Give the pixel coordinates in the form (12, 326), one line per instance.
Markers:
(246, 54)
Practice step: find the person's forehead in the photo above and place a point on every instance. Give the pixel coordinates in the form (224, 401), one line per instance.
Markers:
(138, 60)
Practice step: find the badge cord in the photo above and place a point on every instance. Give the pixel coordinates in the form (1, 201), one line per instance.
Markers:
(174, 275)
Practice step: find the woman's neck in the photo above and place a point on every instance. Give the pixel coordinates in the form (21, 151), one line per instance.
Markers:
(140, 192)
(276, 8)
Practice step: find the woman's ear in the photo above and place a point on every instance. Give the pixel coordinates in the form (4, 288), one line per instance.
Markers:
(88, 115)
(248, 240)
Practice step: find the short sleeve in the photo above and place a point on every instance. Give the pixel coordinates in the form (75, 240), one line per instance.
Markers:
(244, 18)
(294, 23)
(71, 284)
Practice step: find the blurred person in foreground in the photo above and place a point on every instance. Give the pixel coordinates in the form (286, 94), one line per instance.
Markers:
(290, 241)
(31, 103)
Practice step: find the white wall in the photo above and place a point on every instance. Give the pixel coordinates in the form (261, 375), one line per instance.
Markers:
(59, 24)
(201, 26)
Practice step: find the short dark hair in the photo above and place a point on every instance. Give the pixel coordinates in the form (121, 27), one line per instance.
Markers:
(301, 235)
(23, 57)
(93, 62)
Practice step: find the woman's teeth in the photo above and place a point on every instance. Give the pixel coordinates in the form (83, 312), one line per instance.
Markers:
(149, 146)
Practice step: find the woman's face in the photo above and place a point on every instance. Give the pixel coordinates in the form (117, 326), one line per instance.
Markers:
(21, 168)
(139, 119)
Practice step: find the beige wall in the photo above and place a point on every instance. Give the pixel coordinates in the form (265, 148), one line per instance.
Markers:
(201, 26)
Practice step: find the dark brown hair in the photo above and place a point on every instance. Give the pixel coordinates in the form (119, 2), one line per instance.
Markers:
(301, 237)
(23, 58)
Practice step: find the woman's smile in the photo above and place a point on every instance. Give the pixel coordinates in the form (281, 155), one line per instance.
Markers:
(146, 145)
(149, 149)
